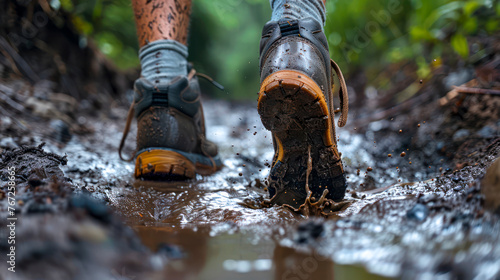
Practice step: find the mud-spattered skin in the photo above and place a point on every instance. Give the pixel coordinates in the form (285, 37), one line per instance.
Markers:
(162, 19)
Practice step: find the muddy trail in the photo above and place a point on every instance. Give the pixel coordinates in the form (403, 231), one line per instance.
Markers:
(422, 191)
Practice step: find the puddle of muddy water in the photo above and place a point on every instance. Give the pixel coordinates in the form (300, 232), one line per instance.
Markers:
(203, 254)
(382, 234)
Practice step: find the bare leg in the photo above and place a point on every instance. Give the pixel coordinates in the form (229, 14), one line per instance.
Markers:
(162, 28)
(162, 19)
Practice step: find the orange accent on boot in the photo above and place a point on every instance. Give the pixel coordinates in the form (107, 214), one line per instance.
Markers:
(163, 163)
(306, 85)
(280, 152)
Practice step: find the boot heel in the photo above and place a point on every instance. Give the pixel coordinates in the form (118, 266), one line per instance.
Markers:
(156, 163)
(290, 100)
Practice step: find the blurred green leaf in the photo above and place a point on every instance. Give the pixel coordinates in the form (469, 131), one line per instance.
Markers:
(81, 25)
(444, 11)
(420, 33)
(470, 25)
(459, 44)
(424, 69)
(67, 5)
(492, 25)
(470, 7)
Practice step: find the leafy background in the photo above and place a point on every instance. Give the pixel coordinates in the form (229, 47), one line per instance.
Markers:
(364, 35)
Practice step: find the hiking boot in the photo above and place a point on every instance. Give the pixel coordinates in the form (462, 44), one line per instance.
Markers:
(171, 142)
(296, 104)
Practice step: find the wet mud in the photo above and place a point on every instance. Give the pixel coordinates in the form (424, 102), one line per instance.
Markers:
(417, 213)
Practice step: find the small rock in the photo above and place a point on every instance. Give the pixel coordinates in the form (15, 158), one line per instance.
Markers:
(309, 231)
(90, 232)
(61, 131)
(461, 134)
(170, 251)
(8, 143)
(486, 132)
(92, 206)
(419, 212)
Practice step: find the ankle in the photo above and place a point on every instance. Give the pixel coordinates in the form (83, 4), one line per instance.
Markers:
(299, 9)
(163, 60)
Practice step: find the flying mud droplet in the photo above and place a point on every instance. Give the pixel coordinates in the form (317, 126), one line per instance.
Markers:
(400, 131)
(369, 169)
(403, 154)
(389, 155)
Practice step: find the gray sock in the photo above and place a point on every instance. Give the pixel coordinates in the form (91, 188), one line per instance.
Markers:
(297, 9)
(163, 60)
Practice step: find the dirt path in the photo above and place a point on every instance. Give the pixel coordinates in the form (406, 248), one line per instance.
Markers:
(404, 218)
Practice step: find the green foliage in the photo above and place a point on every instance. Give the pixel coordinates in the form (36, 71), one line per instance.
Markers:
(110, 23)
(459, 44)
(224, 43)
(363, 34)
(376, 33)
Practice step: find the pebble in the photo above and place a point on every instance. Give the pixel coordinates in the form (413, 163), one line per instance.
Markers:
(309, 231)
(92, 206)
(8, 142)
(419, 212)
(170, 251)
(61, 131)
(461, 134)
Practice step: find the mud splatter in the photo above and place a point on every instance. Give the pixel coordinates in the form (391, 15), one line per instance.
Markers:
(164, 19)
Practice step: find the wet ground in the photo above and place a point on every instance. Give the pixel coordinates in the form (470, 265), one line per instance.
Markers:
(413, 214)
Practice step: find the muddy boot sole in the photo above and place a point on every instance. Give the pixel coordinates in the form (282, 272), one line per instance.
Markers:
(292, 106)
(171, 165)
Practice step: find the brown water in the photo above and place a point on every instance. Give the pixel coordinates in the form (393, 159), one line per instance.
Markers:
(210, 235)
(213, 227)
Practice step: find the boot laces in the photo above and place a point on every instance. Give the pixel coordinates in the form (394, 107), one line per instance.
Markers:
(343, 96)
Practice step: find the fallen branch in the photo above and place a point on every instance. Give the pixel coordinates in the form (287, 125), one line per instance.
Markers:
(454, 92)
(470, 90)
